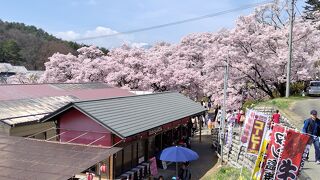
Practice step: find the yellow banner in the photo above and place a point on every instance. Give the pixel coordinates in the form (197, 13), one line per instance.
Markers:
(257, 171)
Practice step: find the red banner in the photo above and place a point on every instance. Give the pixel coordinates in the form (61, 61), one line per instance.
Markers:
(273, 152)
(291, 156)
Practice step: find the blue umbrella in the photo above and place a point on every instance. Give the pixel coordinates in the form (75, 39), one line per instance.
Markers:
(178, 154)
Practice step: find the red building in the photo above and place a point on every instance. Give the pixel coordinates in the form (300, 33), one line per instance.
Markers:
(22, 105)
(141, 125)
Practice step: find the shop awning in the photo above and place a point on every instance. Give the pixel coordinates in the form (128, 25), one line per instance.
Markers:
(24, 158)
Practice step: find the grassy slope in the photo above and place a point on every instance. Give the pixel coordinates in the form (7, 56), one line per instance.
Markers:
(228, 173)
(281, 103)
(285, 106)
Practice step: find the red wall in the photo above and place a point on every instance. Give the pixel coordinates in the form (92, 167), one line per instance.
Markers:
(73, 123)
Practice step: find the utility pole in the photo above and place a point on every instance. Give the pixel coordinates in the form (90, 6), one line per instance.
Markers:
(223, 114)
(290, 48)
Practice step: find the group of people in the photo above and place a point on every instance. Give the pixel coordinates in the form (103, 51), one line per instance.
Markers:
(237, 117)
(311, 126)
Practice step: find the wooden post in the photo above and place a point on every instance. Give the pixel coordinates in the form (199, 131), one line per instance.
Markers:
(161, 146)
(132, 155)
(200, 122)
(111, 167)
(107, 167)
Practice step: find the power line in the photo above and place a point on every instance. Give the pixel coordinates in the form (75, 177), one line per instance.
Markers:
(178, 22)
(298, 9)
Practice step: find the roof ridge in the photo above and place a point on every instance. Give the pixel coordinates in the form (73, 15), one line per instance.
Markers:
(120, 97)
(55, 83)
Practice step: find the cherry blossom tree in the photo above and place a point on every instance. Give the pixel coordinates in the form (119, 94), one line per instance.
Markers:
(23, 78)
(255, 50)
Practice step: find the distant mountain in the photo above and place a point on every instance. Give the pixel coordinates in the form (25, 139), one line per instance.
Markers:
(29, 46)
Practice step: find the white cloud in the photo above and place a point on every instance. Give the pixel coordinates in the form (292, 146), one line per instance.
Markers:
(68, 35)
(107, 42)
(139, 45)
(99, 31)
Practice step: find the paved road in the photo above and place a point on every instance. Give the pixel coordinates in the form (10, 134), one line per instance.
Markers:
(301, 110)
(206, 162)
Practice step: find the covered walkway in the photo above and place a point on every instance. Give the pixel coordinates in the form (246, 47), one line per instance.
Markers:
(24, 158)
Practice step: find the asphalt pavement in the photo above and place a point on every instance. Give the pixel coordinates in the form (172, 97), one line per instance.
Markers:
(206, 162)
(301, 111)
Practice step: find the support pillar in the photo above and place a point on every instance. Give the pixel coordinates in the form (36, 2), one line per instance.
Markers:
(111, 174)
(200, 119)
(161, 145)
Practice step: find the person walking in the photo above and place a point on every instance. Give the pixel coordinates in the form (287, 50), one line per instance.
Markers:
(185, 173)
(241, 117)
(312, 126)
(276, 117)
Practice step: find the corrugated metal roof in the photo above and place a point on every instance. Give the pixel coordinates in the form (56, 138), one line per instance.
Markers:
(130, 115)
(29, 102)
(76, 86)
(23, 158)
(83, 91)
(27, 110)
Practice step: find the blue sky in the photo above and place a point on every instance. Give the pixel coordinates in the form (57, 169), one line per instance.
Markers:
(74, 19)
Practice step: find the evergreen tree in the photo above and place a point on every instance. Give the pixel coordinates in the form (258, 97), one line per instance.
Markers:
(10, 52)
(311, 7)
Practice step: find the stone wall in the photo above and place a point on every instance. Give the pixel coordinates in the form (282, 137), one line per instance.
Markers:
(235, 155)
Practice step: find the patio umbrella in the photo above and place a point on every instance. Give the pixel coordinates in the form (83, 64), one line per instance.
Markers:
(178, 154)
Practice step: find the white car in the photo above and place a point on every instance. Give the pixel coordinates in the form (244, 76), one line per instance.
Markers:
(314, 88)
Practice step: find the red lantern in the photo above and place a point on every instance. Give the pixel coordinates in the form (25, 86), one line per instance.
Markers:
(103, 168)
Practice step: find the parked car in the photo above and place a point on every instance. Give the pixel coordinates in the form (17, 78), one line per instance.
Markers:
(314, 88)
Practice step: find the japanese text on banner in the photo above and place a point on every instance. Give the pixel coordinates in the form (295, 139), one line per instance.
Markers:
(273, 152)
(257, 133)
(294, 146)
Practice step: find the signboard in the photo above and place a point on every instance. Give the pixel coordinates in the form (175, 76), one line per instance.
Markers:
(153, 166)
(155, 130)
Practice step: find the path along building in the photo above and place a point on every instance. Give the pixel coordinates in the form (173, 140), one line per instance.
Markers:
(140, 125)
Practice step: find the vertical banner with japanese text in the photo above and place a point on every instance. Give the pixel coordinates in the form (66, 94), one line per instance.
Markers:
(256, 174)
(257, 133)
(247, 128)
(229, 135)
(291, 156)
(304, 156)
(273, 152)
